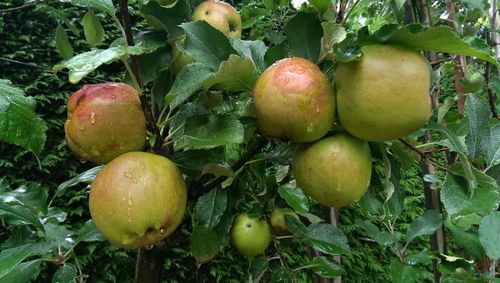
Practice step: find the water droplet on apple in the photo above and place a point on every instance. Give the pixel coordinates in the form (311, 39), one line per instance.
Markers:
(163, 231)
(127, 175)
(149, 247)
(310, 127)
(317, 108)
(81, 128)
(92, 118)
(82, 160)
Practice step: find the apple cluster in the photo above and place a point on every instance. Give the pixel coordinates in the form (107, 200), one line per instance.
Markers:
(383, 96)
(137, 198)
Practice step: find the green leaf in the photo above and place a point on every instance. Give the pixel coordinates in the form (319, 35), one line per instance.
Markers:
(21, 213)
(10, 258)
(457, 201)
(89, 233)
(235, 74)
(324, 267)
(65, 274)
(478, 112)
(425, 224)
(252, 50)
(19, 123)
(332, 34)
(169, 17)
(206, 44)
(62, 43)
(257, 268)
(103, 5)
(82, 64)
(190, 79)
(32, 197)
(151, 66)
(295, 198)
(304, 35)
(208, 131)
(23, 272)
(440, 39)
(92, 28)
(383, 238)
(457, 145)
(468, 240)
(320, 5)
(327, 238)
(493, 151)
(148, 41)
(210, 207)
(295, 226)
(86, 177)
(489, 234)
(401, 273)
(205, 243)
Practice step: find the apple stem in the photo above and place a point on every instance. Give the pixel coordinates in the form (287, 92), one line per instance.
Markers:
(149, 263)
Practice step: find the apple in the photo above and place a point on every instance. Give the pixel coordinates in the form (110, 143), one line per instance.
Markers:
(335, 171)
(294, 99)
(385, 95)
(221, 16)
(250, 236)
(104, 121)
(278, 220)
(138, 199)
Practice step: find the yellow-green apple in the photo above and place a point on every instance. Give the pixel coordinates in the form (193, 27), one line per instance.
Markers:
(335, 171)
(221, 16)
(138, 199)
(104, 121)
(385, 95)
(278, 220)
(250, 236)
(294, 99)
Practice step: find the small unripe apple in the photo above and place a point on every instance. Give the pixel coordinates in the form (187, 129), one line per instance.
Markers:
(179, 59)
(278, 220)
(294, 99)
(104, 121)
(385, 95)
(221, 16)
(335, 171)
(138, 199)
(250, 236)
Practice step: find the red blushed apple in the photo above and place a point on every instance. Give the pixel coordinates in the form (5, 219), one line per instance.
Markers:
(293, 99)
(104, 121)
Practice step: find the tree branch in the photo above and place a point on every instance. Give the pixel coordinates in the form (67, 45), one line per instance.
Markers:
(134, 65)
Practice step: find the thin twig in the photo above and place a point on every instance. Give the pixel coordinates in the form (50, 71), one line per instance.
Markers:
(27, 5)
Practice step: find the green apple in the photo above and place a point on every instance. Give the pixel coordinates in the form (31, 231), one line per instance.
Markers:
(250, 236)
(278, 220)
(221, 16)
(104, 121)
(385, 95)
(138, 199)
(335, 171)
(179, 59)
(294, 99)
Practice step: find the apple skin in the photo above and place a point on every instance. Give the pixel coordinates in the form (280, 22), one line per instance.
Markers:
(138, 199)
(250, 236)
(104, 121)
(294, 99)
(278, 221)
(335, 171)
(385, 95)
(221, 16)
